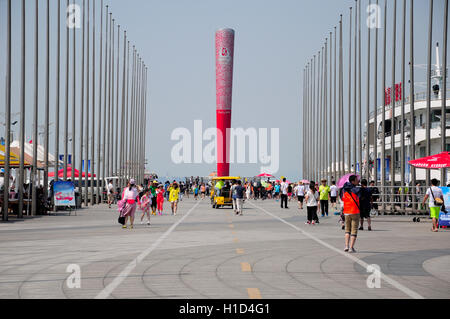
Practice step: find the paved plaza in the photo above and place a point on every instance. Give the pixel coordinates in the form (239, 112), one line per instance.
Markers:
(211, 253)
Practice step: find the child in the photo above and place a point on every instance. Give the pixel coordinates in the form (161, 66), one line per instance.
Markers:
(145, 206)
(196, 192)
(160, 199)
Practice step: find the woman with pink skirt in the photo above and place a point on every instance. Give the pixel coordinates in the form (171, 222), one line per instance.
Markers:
(130, 196)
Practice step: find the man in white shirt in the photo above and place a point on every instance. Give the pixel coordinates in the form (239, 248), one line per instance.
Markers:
(435, 196)
(299, 191)
(284, 194)
(110, 192)
(333, 194)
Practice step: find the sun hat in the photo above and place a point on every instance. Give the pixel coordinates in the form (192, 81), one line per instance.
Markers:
(132, 182)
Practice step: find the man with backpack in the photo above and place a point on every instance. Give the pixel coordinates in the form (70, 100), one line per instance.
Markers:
(350, 199)
(436, 201)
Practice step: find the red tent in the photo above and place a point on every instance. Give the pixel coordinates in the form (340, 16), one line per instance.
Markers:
(265, 175)
(69, 173)
(437, 161)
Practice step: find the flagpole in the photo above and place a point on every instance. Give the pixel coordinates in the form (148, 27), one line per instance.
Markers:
(33, 186)
(428, 109)
(22, 115)
(444, 94)
(82, 106)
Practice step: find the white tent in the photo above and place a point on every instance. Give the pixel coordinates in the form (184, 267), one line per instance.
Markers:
(28, 149)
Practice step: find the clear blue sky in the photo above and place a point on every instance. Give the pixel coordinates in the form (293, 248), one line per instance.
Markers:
(274, 40)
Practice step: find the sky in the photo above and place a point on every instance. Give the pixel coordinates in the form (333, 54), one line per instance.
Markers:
(274, 41)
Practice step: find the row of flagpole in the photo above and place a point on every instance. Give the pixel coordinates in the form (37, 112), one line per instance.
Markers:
(323, 146)
(109, 154)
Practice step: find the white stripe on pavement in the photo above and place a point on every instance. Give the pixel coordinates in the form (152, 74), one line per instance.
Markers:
(107, 291)
(389, 280)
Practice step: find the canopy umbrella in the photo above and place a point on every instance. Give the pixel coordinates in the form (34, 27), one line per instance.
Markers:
(265, 175)
(69, 173)
(344, 179)
(305, 181)
(437, 161)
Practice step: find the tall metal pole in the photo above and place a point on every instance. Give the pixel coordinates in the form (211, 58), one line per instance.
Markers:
(355, 91)
(319, 117)
(116, 144)
(74, 99)
(331, 113)
(33, 184)
(402, 127)
(66, 110)
(133, 86)
(383, 115)
(127, 125)
(336, 113)
(412, 101)
(320, 99)
(341, 102)
(22, 115)
(393, 162)
(108, 143)
(444, 94)
(428, 112)
(122, 118)
(349, 95)
(47, 104)
(99, 132)
(326, 113)
(104, 156)
(93, 201)
(80, 170)
(375, 104)
(368, 110)
(8, 115)
(113, 125)
(360, 122)
(86, 137)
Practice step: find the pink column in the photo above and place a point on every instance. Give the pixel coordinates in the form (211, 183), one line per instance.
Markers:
(224, 88)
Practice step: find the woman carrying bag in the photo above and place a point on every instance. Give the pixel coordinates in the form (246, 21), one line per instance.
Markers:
(436, 197)
(130, 198)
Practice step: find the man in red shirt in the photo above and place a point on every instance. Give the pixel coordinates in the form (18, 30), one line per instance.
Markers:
(351, 212)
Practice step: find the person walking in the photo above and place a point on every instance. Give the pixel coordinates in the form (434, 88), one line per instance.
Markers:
(375, 192)
(324, 191)
(110, 193)
(239, 190)
(130, 196)
(173, 198)
(284, 193)
(365, 204)
(312, 203)
(145, 206)
(248, 191)
(333, 195)
(300, 193)
(277, 191)
(436, 201)
(160, 199)
(153, 189)
(351, 212)
(233, 196)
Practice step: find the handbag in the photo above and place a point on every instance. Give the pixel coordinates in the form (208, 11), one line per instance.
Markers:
(437, 202)
(121, 220)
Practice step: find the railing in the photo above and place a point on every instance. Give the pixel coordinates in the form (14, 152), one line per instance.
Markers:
(418, 97)
(396, 200)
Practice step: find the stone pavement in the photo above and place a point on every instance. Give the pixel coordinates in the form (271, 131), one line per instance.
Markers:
(211, 253)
